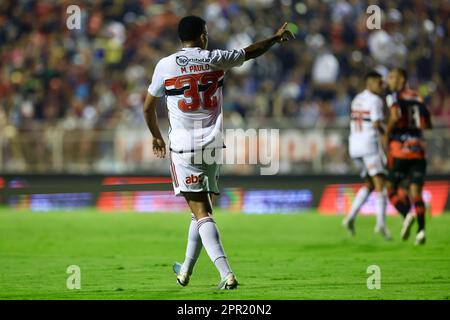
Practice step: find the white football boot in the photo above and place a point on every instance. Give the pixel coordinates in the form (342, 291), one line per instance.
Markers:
(229, 282)
(182, 277)
(420, 238)
(406, 228)
(384, 232)
(349, 224)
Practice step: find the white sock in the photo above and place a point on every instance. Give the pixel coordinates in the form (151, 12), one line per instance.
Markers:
(211, 241)
(361, 197)
(193, 248)
(380, 208)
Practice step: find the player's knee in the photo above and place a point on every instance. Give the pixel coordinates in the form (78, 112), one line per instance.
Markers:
(415, 190)
(370, 186)
(378, 184)
(202, 211)
(390, 188)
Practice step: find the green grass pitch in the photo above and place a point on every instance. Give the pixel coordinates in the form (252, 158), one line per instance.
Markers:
(301, 256)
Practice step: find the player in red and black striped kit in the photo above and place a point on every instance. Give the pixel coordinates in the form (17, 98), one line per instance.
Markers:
(408, 117)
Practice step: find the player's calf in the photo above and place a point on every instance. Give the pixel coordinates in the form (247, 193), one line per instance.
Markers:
(400, 201)
(420, 212)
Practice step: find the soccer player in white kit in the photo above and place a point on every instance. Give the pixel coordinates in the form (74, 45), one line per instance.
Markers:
(366, 128)
(191, 81)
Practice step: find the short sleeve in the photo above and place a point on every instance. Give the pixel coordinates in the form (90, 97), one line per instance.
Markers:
(156, 87)
(227, 59)
(391, 99)
(376, 113)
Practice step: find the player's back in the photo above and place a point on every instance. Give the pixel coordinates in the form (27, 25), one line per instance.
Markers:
(192, 81)
(406, 140)
(409, 104)
(366, 108)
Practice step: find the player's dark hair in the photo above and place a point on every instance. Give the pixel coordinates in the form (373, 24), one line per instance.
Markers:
(402, 71)
(372, 74)
(190, 28)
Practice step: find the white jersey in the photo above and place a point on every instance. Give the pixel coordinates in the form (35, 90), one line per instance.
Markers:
(366, 108)
(192, 80)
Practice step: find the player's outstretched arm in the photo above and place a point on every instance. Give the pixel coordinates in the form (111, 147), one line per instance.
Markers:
(159, 146)
(261, 47)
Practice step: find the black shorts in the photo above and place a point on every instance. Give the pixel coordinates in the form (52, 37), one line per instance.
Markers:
(412, 170)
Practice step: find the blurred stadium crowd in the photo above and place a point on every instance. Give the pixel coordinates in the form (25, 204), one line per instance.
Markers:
(97, 76)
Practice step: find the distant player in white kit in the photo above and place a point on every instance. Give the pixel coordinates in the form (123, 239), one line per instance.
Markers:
(366, 128)
(191, 80)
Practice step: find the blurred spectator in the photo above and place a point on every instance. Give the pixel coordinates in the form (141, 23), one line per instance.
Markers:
(97, 77)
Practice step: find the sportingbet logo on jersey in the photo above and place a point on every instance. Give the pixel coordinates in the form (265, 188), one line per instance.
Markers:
(200, 65)
(183, 61)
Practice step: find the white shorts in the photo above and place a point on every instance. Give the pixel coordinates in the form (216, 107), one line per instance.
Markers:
(371, 165)
(191, 175)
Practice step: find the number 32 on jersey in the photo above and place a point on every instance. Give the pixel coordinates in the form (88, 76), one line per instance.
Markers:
(191, 86)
